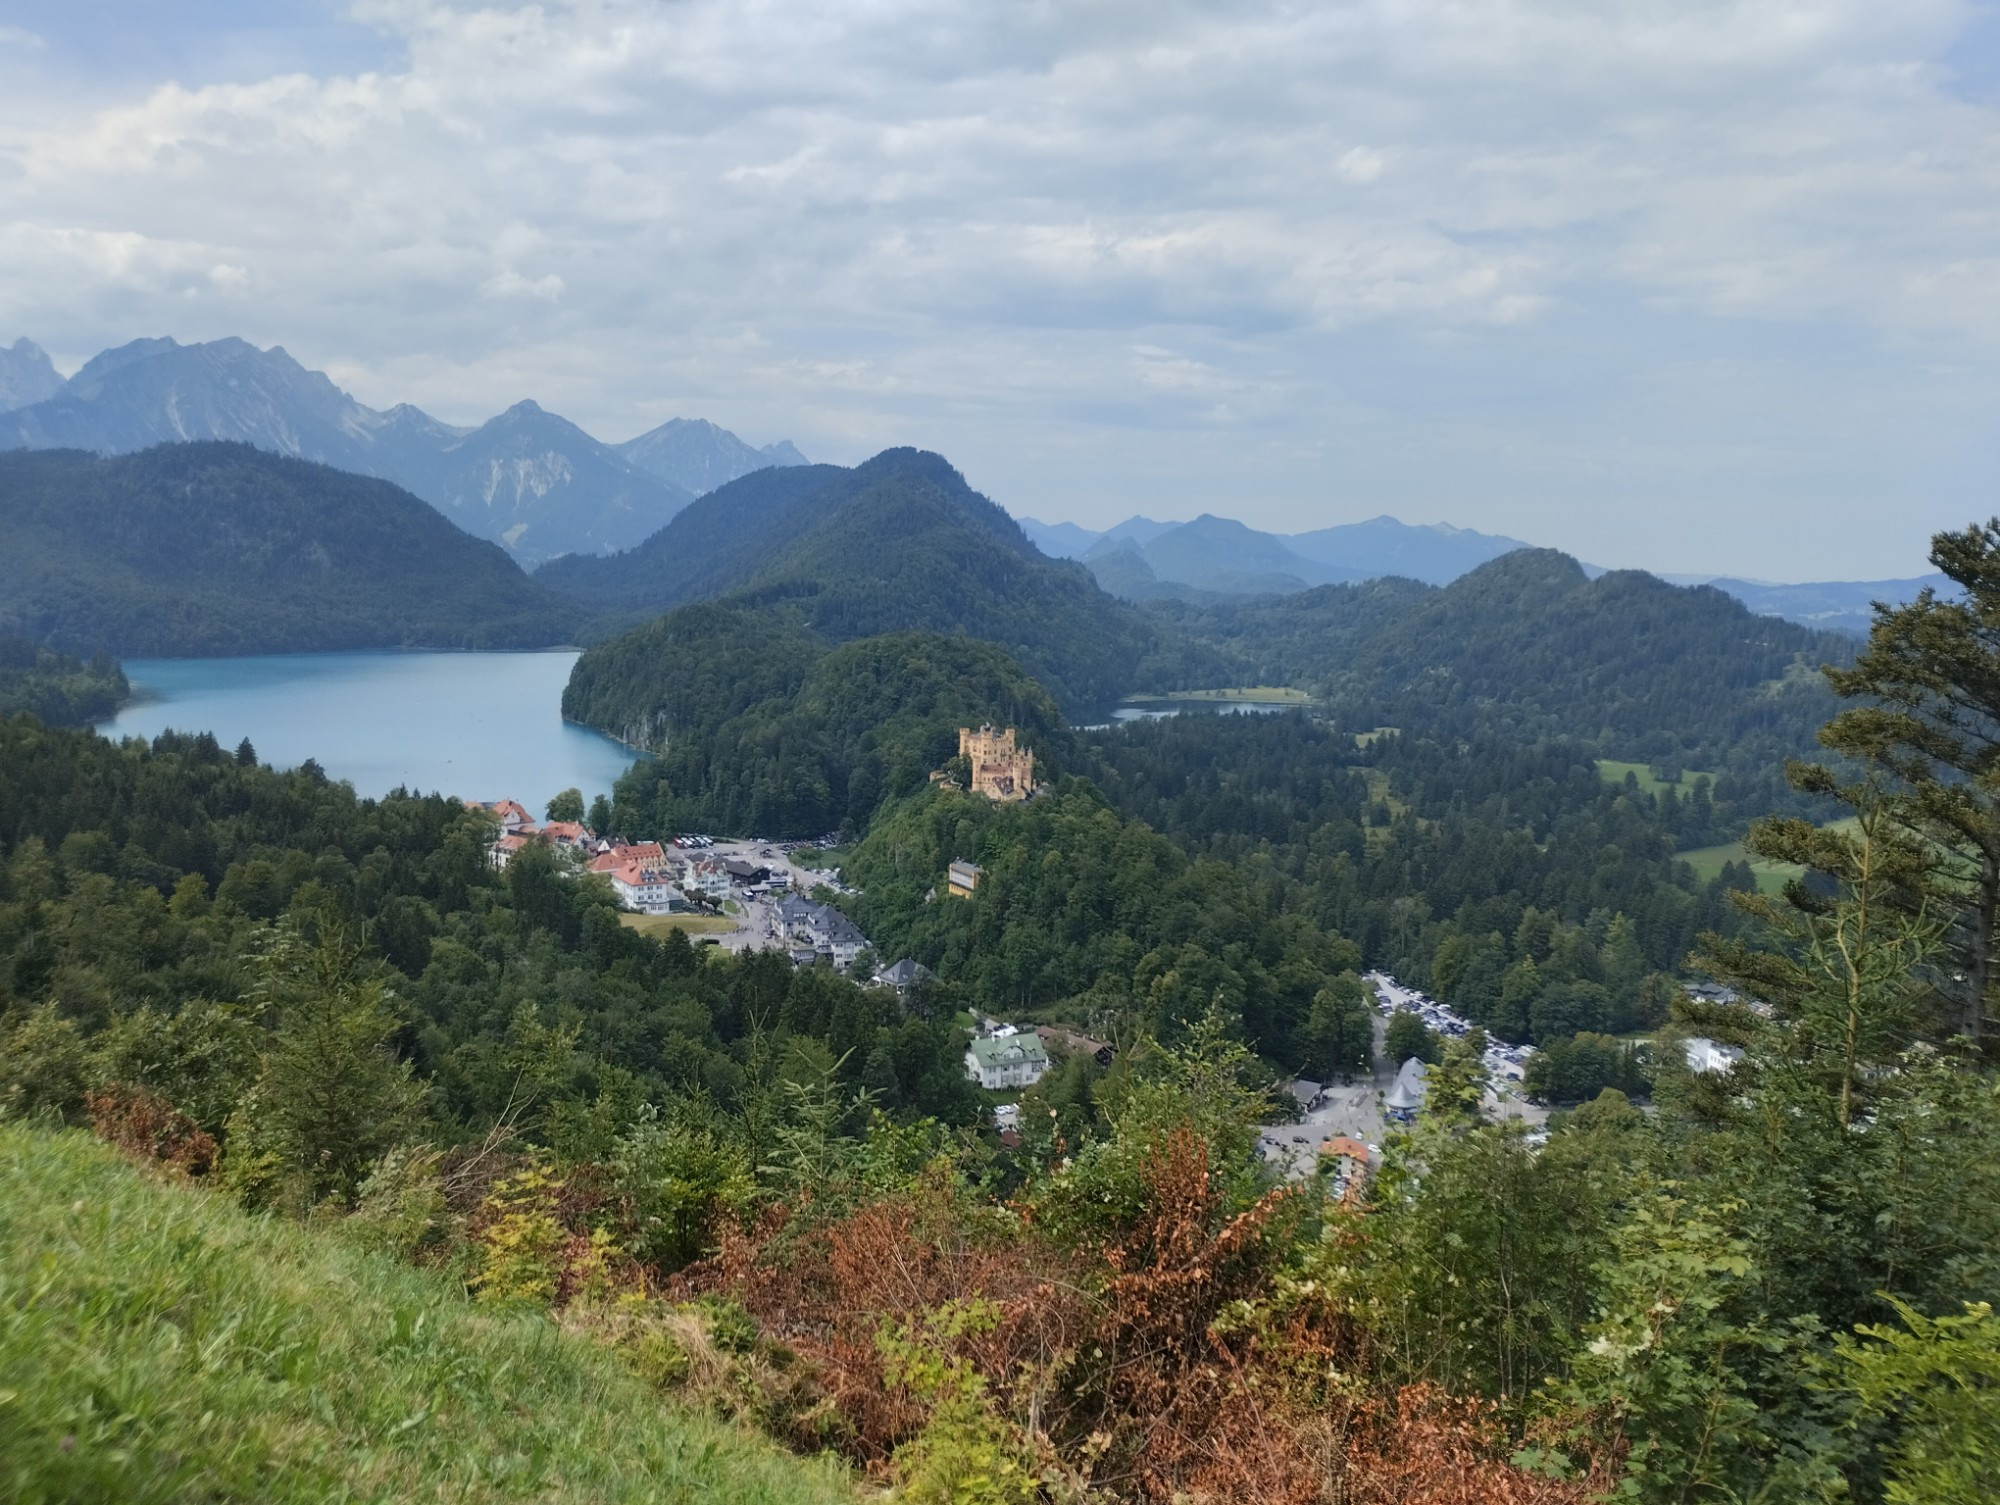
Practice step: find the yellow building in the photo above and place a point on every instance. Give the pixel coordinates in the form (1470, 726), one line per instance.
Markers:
(1000, 770)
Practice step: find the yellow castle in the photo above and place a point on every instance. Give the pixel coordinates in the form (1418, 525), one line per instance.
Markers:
(1000, 770)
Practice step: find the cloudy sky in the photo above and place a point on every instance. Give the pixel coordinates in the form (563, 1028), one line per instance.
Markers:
(1699, 285)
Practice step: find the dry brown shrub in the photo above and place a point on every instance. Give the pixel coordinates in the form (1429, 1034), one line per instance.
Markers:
(827, 1289)
(1182, 1403)
(147, 1127)
(1430, 1448)
(1172, 1371)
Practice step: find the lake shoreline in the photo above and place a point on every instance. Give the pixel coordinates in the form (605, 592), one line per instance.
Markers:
(474, 723)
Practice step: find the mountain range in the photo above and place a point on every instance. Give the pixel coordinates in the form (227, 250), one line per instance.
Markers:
(1144, 559)
(529, 480)
(543, 488)
(1216, 558)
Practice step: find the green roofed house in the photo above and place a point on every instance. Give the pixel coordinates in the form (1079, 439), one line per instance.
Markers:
(1016, 1059)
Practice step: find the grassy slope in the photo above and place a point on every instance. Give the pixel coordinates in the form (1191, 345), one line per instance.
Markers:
(158, 1345)
(1772, 877)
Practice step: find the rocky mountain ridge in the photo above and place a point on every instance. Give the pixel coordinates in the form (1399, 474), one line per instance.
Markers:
(527, 479)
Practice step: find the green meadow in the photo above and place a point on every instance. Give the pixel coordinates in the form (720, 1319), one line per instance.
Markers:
(158, 1344)
(1614, 772)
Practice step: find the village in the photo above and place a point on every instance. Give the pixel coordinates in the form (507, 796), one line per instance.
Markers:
(755, 894)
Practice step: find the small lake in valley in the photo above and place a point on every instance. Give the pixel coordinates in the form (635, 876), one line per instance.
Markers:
(481, 726)
(1155, 710)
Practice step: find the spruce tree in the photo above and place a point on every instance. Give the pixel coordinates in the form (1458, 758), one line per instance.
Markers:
(1930, 725)
(333, 1095)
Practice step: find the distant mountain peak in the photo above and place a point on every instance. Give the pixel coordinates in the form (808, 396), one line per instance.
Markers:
(27, 375)
(700, 456)
(529, 479)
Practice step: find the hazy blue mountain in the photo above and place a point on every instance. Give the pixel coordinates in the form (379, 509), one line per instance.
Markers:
(541, 486)
(1140, 530)
(1209, 557)
(1222, 556)
(1835, 605)
(529, 480)
(1058, 540)
(697, 456)
(26, 375)
(1436, 553)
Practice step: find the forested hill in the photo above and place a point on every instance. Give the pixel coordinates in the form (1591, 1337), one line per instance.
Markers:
(898, 544)
(1528, 644)
(761, 727)
(215, 548)
(712, 546)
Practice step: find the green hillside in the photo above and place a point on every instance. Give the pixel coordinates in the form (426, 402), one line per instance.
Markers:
(156, 1344)
(210, 549)
(759, 727)
(1528, 646)
(710, 547)
(898, 544)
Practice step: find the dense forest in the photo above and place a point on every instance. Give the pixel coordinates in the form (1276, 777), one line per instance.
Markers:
(1523, 650)
(1528, 647)
(153, 895)
(758, 1188)
(58, 689)
(760, 728)
(1252, 863)
(211, 549)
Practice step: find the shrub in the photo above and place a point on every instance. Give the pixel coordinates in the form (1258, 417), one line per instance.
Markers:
(147, 1127)
(43, 1067)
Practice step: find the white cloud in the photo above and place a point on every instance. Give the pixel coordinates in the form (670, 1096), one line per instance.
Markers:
(1336, 242)
(513, 285)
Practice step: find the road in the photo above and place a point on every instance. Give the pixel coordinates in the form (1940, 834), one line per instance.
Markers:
(1292, 1149)
(1355, 1110)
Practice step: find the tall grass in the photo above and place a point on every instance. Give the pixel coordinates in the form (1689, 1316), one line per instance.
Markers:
(156, 1344)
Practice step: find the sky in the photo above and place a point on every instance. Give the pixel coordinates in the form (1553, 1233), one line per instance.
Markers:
(1704, 286)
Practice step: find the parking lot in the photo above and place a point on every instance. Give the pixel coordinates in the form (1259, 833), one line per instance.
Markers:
(1356, 1110)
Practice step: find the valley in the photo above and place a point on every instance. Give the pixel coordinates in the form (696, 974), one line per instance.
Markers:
(954, 754)
(636, 986)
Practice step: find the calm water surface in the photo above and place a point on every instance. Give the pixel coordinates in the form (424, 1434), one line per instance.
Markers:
(477, 725)
(1158, 710)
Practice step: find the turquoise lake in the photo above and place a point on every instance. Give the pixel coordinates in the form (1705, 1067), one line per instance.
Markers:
(478, 725)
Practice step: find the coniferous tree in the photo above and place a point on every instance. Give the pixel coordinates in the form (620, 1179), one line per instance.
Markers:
(1932, 674)
(333, 1095)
